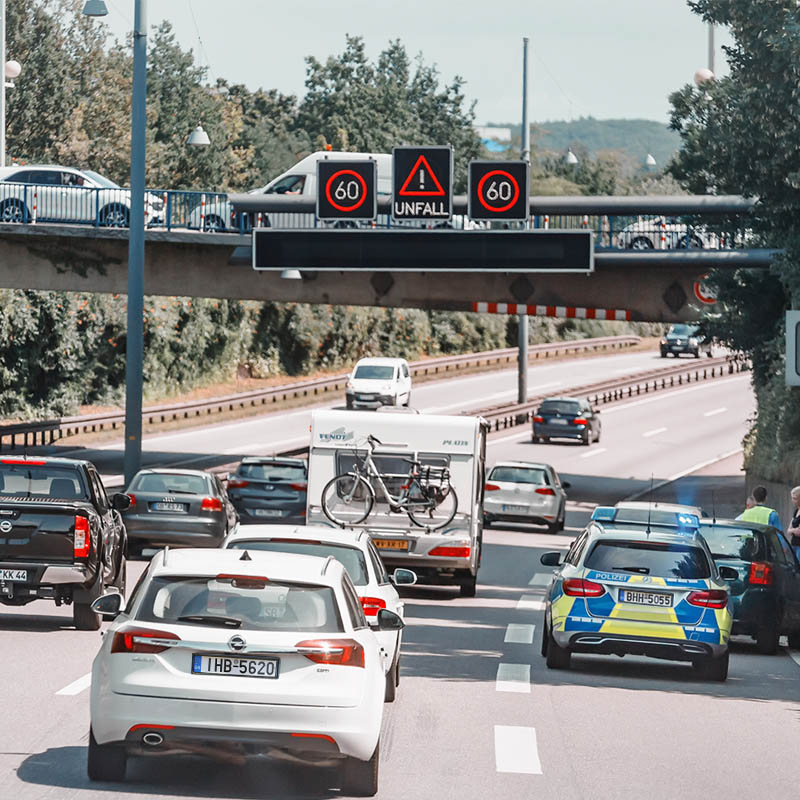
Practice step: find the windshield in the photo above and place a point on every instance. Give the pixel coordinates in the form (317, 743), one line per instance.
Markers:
(351, 558)
(101, 179)
(682, 330)
(246, 603)
(373, 372)
(518, 475)
(18, 480)
(163, 483)
(739, 543)
(272, 472)
(566, 407)
(649, 558)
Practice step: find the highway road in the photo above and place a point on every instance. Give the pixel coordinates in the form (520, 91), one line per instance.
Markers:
(478, 715)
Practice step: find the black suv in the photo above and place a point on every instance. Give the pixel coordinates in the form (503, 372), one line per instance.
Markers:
(682, 338)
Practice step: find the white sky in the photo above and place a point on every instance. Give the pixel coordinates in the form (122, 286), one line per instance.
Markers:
(600, 58)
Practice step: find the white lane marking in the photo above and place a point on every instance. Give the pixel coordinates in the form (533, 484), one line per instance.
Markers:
(78, 686)
(513, 678)
(529, 602)
(523, 435)
(794, 655)
(654, 432)
(515, 750)
(541, 579)
(592, 453)
(716, 411)
(519, 634)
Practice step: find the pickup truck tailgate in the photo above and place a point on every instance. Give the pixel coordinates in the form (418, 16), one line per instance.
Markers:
(37, 531)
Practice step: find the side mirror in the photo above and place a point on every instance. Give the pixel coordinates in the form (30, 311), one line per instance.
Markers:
(404, 577)
(389, 621)
(551, 559)
(728, 574)
(109, 606)
(566, 485)
(120, 501)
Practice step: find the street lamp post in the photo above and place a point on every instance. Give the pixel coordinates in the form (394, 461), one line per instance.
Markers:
(8, 69)
(522, 338)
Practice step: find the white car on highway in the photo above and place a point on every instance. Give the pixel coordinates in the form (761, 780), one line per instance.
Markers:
(377, 382)
(646, 234)
(355, 550)
(221, 651)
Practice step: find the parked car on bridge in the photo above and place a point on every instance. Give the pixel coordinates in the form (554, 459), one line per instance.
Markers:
(645, 234)
(51, 193)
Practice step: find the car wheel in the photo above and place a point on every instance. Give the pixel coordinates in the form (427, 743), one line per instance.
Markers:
(115, 216)
(84, 618)
(557, 657)
(545, 638)
(105, 762)
(641, 243)
(696, 354)
(408, 401)
(586, 440)
(713, 669)
(695, 242)
(390, 692)
(767, 639)
(468, 586)
(663, 354)
(558, 525)
(13, 211)
(213, 224)
(360, 778)
(349, 403)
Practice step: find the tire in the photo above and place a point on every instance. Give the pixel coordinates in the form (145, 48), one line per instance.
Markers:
(213, 224)
(349, 403)
(360, 778)
(713, 669)
(696, 354)
(663, 354)
(545, 639)
(342, 486)
(390, 692)
(695, 242)
(557, 657)
(535, 439)
(641, 243)
(445, 513)
(558, 525)
(13, 211)
(84, 618)
(768, 639)
(407, 403)
(115, 216)
(794, 640)
(105, 762)
(468, 586)
(586, 440)
(397, 669)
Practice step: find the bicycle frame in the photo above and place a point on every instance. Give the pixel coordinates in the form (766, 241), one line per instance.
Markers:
(402, 501)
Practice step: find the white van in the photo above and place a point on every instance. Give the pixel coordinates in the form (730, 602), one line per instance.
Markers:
(447, 555)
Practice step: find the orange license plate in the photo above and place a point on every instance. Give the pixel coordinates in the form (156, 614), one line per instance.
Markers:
(391, 544)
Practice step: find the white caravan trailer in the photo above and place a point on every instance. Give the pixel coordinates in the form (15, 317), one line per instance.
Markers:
(446, 555)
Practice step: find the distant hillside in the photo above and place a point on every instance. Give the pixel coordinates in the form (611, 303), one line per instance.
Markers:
(635, 137)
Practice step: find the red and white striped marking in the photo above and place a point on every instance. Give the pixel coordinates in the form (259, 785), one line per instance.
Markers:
(563, 312)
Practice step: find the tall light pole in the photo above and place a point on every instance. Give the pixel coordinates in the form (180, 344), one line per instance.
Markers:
(3, 83)
(522, 339)
(711, 46)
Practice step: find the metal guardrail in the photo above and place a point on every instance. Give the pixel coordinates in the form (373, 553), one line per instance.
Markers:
(48, 431)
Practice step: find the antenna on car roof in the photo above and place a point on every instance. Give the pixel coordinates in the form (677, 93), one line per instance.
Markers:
(649, 503)
(713, 508)
(245, 556)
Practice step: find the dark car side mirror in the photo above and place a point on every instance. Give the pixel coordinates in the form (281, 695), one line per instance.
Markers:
(389, 621)
(120, 501)
(551, 559)
(109, 606)
(566, 485)
(728, 574)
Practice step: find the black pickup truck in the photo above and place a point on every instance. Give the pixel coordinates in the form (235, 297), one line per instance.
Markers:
(60, 536)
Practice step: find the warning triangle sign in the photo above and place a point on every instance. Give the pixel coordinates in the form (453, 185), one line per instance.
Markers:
(422, 181)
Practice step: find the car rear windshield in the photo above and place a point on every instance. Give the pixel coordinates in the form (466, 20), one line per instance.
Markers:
(245, 603)
(559, 407)
(373, 372)
(272, 472)
(739, 543)
(649, 558)
(519, 475)
(27, 480)
(351, 558)
(164, 482)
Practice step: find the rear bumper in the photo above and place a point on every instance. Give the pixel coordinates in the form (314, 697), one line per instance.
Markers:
(560, 431)
(289, 512)
(191, 532)
(374, 401)
(541, 514)
(651, 646)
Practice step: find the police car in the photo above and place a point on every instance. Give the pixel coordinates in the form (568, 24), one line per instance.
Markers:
(651, 590)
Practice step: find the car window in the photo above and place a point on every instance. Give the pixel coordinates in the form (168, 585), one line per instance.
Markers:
(99, 490)
(576, 550)
(23, 176)
(775, 551)
(351, 558)
(536, 477)
(50, 177)
(354, 607)
(681, 330)
(107, 183)
(291, 184)
(272, 472)
(559, 407)
(374, 372)
(377, 564)
(787, 551)
(42, 480)
(158, 482)
(72, 179)
(405, 371)
(649, 558)
(257, 604)
(741, 543)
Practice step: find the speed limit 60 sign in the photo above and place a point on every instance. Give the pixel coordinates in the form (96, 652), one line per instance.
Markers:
(346, 190)
(498, 190)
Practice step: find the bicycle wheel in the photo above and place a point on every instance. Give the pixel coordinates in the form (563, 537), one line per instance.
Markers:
(347, 499)
(438, 516)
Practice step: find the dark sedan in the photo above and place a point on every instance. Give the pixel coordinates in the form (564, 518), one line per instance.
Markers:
(182, 507)
(766, 595)
(270, 490)
(566, 418)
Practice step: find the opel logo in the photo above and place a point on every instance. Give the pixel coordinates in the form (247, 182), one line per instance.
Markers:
(6, 526)
(237, 643)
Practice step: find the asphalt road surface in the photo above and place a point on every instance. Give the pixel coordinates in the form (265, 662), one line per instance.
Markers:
(478, 715)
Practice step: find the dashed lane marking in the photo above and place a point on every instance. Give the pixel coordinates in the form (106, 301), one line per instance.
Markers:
(654, 432)
(515, 750)
(593, 453)
(529, 602)
(513, 678)
(715, 411)
(78, 686)
(519, 634)
(541, 579)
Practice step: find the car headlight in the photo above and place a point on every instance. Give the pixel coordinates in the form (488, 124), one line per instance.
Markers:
(663, 341)
(349, 385)
(692, 340)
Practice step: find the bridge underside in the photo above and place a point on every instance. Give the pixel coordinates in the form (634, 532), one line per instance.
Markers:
(655, 287)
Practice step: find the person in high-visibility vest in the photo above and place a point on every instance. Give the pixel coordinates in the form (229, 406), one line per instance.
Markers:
(759, 512)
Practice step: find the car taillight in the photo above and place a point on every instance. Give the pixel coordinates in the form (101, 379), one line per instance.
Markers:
(579, 421)
(82, 538)
(450, 552)
(142, 640)
(545, 490)
(133, 500)
(760, 574)
(211, 504)
(342, 652)
(372, 605)
(580, 587)
(234, 484)
(710, 598)
(299, 487)
(538, 419)
(491, 487)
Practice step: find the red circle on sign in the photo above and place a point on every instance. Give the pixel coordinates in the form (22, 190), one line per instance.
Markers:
(358, 203)
(488, 206)
(702, 293)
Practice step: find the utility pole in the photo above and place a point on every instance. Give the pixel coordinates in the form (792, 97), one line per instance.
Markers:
(3, 83)
(522, 342)
(711, 46)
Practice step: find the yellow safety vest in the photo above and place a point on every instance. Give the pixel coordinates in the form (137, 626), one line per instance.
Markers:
(759, 514)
